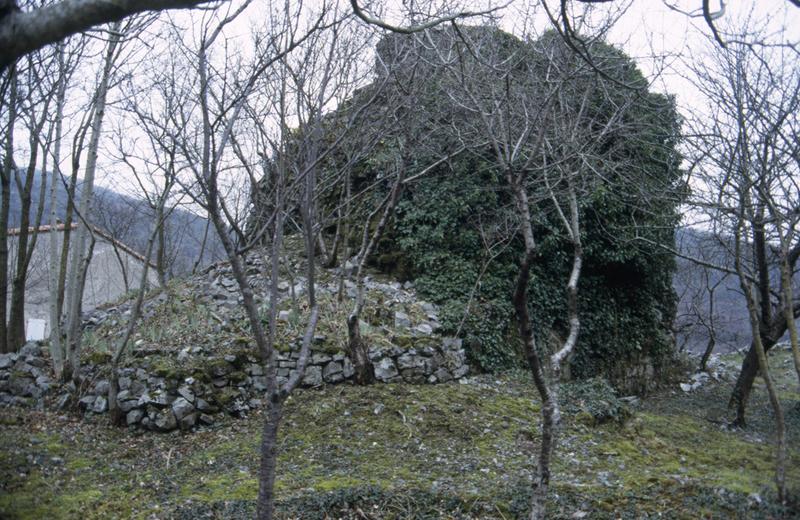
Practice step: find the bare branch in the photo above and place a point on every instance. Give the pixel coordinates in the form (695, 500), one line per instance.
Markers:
(22, 32)
(410, 29)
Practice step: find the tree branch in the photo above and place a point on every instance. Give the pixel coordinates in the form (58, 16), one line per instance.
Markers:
(410, 29)
(22, 32)
(709, 17)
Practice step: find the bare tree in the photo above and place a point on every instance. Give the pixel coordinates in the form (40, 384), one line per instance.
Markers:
(753, 100)
(225, 85)
(701, 291)
(40, 93)
(158, 201)
(746, 186)
(81, 251)
(30, 93)
(67, 63)
(117, 220)
(11, 88)
(553, 149)
(398, 85)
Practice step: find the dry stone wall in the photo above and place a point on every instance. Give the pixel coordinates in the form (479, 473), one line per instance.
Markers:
(168, 385)
(165, 399)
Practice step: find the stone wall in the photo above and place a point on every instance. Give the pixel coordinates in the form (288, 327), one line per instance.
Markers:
(193, 388)
(25, 377)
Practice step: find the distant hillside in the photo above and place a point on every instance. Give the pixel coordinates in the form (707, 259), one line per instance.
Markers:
(129, 220)
(690, 283)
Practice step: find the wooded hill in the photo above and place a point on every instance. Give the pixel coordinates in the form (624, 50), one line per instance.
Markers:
(128, 219)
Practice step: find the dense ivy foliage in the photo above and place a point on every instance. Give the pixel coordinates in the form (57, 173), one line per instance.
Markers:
(455, 229)
(443, 227)
(452, 223)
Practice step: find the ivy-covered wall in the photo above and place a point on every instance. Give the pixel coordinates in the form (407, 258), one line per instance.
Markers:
(455, 234)
(451, 231)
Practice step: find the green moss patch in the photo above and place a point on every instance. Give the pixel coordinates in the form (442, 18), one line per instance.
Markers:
(399, 451)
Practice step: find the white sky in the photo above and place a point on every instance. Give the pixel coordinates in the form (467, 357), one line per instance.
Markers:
(657, 37)
(650, 28)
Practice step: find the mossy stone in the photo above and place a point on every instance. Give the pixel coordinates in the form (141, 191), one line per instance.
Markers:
(98, 357)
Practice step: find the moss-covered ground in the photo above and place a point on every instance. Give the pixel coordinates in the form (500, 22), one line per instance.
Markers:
(400, 451)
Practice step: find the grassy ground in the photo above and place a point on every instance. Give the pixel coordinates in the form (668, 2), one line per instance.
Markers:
(399, 451)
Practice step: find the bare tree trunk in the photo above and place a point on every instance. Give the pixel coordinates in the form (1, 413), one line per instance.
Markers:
(357, 348)
(755, 326)
(276, 396)
(5, 204)
(113, 388)
(551, 411)
(123, 268)
(269, 459)
(161, 263)
(331, 259)
(712, 333)
(274, 410)
(16, 317)
(200, 255)
(762, 266)
(747, 375)
(788, 310)
(67, 236)
(541, 481)
(345, 233)
(80, 254)
(56, 346)
(16, 320)
(712, 342)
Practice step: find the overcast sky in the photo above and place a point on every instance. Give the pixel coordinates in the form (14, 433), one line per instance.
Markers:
(657, 37)
(649, 27)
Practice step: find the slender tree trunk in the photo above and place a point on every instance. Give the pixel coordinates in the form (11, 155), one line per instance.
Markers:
(762, 263)
(763, 365)
(56, 345)
(274, 410)
(357, 348)
(541, 481)
(788, 310)
(5, 204)
(123, 268)
(22, 267)
(161, 260)
(345, 235)
(114, 411)
(16, 320)
(712, 335)
(67, 240)
(747, 376)
(80, 254)
(269, 459)
(200, 255)
(712, 342)
(275, 395)
(266, 503)
(330, 259)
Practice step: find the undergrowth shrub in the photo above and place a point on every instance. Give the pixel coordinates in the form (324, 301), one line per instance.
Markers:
(594, 401)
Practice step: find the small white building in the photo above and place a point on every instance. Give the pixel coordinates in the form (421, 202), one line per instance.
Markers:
(111, 265)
